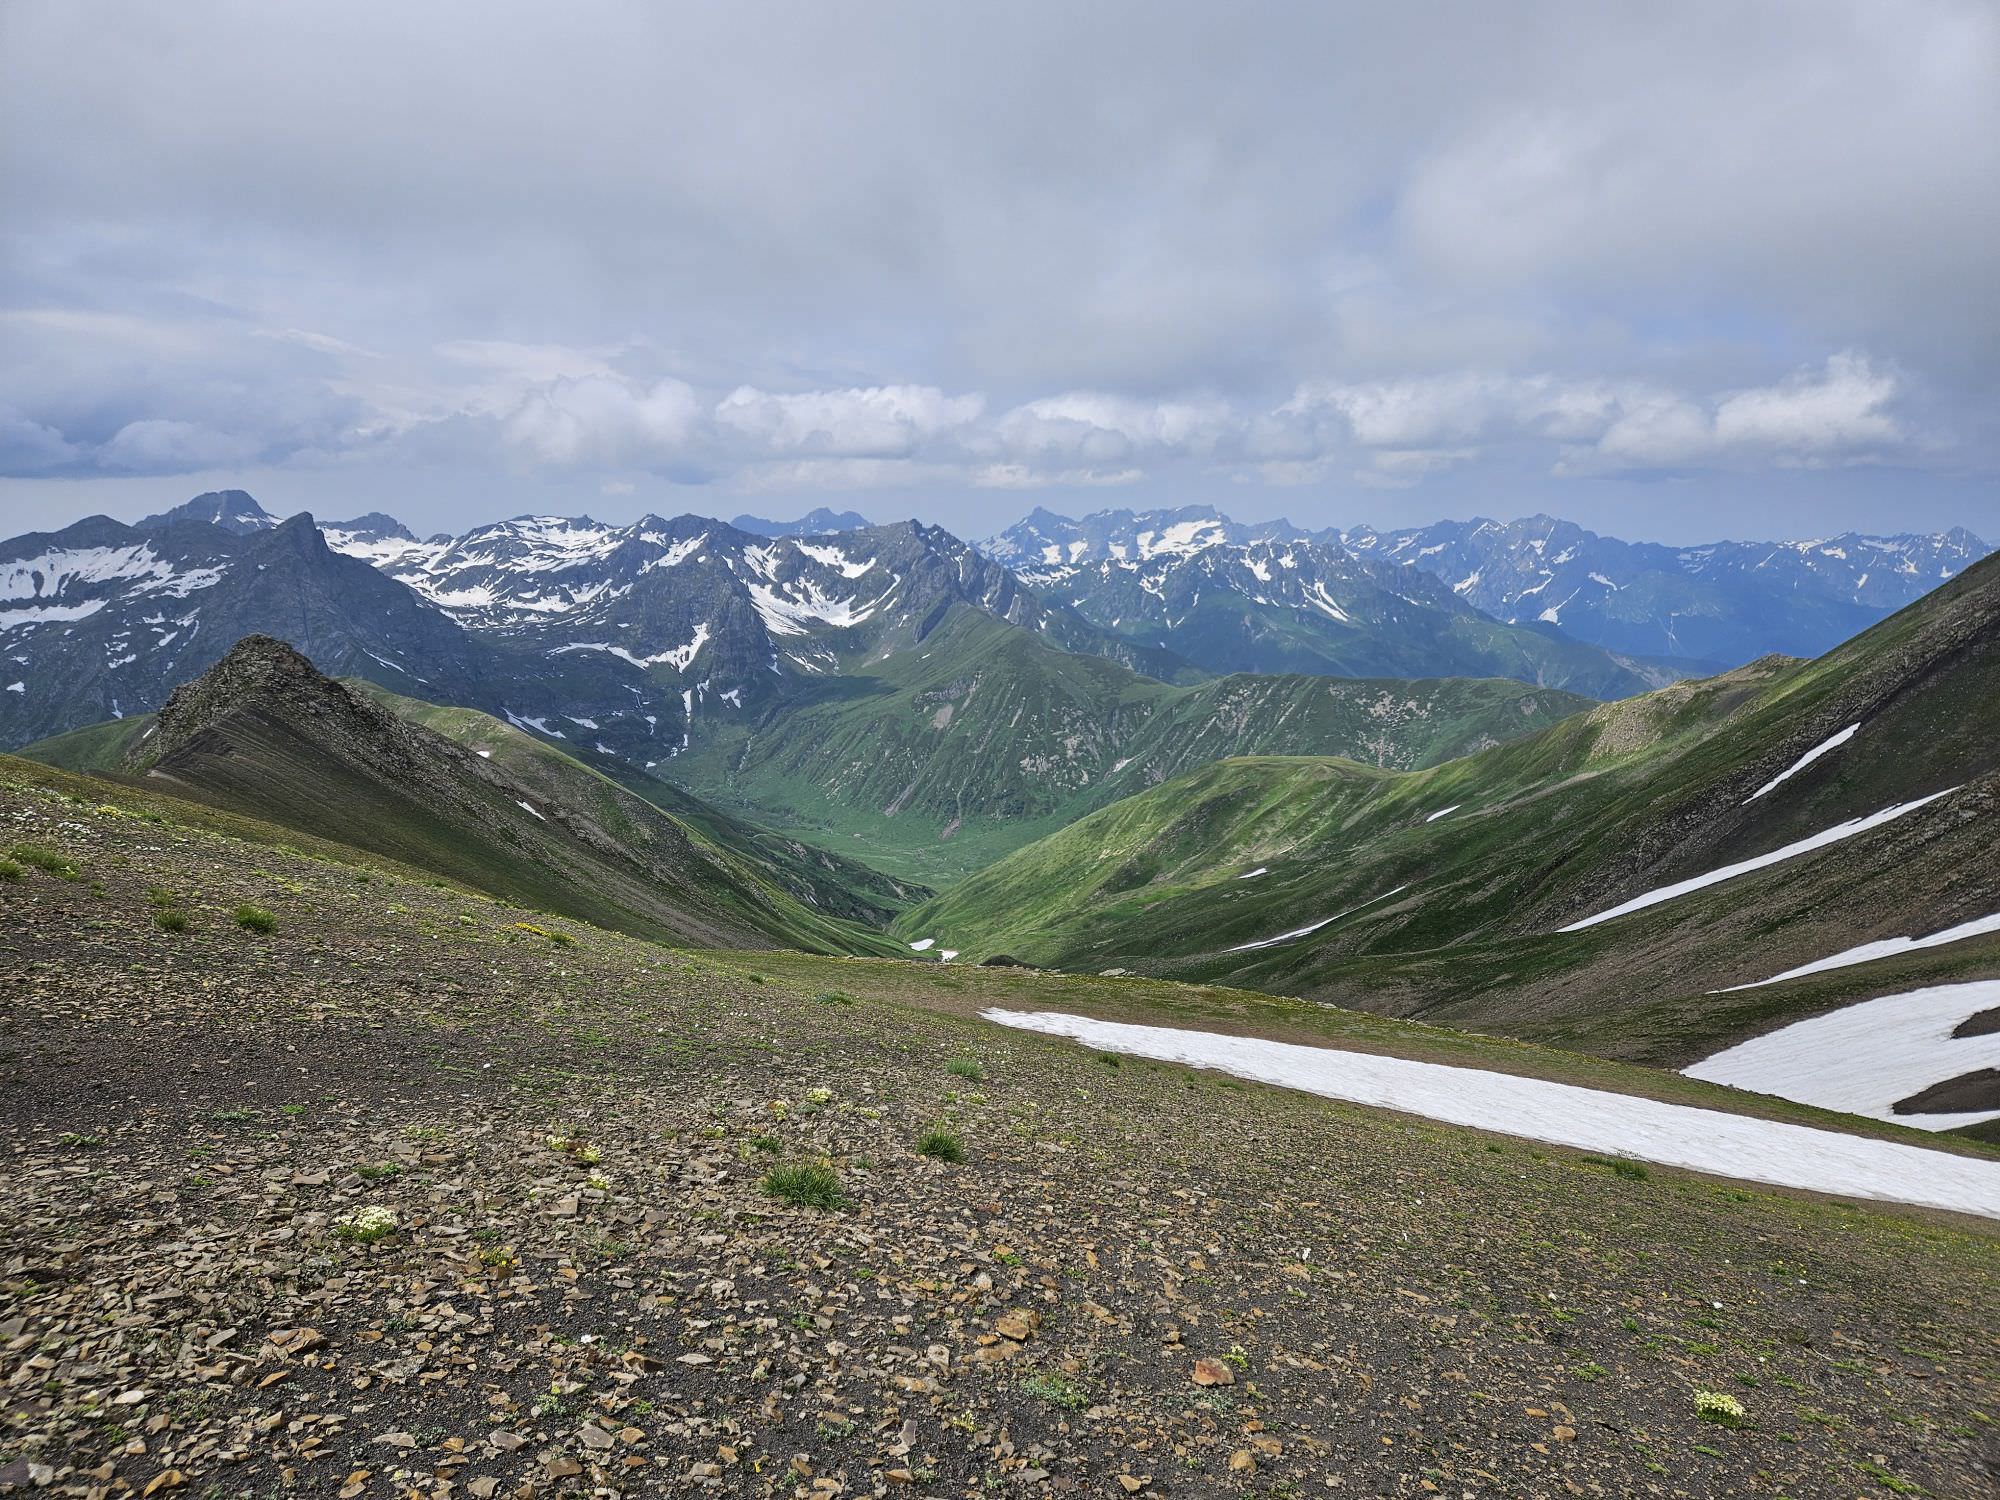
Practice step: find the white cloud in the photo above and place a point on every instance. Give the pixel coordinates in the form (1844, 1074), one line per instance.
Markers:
(889, 421)
(1841, 413)
(603, 421)
(1094, 428)
(156, 446)
(31, 447)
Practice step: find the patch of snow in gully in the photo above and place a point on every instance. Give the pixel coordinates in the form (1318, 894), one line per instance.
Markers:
(1299, 932)
(1803, 761)
(1862, 1058)
(1866, 953)
(1818, 840)
(1442, 811)
(1679, 1135)
(921, 944)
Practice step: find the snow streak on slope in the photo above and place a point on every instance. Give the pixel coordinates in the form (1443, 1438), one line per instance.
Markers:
(1803, 761)
(1299, 932)
(1882, 948)
(1864, 1057)
(1679, 1135)
(1818, 840)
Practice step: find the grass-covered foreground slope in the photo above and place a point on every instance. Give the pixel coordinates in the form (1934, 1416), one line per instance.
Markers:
(1443, 892)
(937, 758)
(398, 1189)
(264, 734)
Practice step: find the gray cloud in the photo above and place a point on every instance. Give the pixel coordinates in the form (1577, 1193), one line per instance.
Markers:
(947, 249)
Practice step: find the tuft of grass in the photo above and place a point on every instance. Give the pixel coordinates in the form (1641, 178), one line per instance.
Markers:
(808, 1184)
(834, 997)
(765, 1143)
(170, 919)
(941, 1144)
(1621, 1166)
(10, 869)
(1057, 1389)
(967, 1068)
(49, 861)
(255, 919)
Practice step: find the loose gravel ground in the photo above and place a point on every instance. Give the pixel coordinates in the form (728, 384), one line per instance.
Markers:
(1139, 1279)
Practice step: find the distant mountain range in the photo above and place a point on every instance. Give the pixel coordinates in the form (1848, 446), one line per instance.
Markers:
(1722, 602)
(1658, 607)
(817, 522)
(931, 703)
(1272, 598)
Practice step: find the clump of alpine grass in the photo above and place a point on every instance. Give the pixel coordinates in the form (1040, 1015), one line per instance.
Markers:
(1718, 1407)
(808, 1184)
(940, 1145)
(365, 1226)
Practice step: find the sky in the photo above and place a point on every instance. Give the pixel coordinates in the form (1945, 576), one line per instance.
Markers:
(1685, 272)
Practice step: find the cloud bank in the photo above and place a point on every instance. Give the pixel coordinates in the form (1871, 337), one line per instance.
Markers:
(979, 247)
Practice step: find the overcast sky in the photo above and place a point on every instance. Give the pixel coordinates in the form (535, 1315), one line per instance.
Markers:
(1679, 271)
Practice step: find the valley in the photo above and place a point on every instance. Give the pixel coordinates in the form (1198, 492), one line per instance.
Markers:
(628, 1037)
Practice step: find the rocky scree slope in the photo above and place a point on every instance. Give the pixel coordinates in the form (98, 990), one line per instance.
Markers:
(565, 1148)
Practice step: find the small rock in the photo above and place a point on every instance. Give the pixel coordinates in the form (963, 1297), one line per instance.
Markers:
(1213, 1372)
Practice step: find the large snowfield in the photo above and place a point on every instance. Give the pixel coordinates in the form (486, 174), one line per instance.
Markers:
(1679, 1135)
(1864, 1057)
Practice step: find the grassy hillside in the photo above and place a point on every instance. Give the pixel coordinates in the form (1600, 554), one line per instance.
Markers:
(452, 1194)
(822, 879)
(1456, 915)
(264, 735)
(933, 761)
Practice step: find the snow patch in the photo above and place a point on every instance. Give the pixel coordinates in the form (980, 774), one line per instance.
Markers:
(1803, 761)
(1862, 1058)
(921, 944)
(1818, 840)
(1442, 811)
(1866, 953)
(1677, 1135)
(526, 807)
(540, 726)
(833, 557)
(1299, 932)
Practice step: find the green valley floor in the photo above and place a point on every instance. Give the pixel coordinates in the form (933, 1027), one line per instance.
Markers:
(415, 1193)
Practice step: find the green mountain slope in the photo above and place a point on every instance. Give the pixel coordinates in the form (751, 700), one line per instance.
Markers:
(823, 880)
(938, 758)
(1455, 915)
(265, 735)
